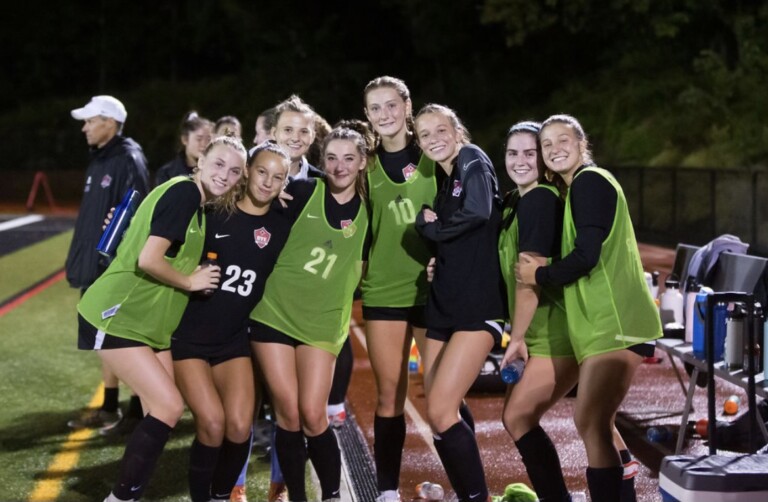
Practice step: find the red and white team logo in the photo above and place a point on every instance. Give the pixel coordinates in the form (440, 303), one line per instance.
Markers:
(456, 188)
(409, 171)
(106, 181)
(261, 236)
(348, 228)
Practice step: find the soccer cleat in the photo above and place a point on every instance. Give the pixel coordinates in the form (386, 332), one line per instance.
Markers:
(277, 492)
(238, 494)
(337, 420)
(95, 419)
(122, 428)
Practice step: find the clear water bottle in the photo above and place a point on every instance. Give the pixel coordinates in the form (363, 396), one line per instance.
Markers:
(512, 372)
(430, 491)
(210, 260)
(121, 218)
(672, 302)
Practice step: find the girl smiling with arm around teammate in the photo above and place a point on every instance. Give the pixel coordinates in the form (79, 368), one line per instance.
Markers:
(612, 320)
(303, 319)
(210, 347)
(466, 301)
(135, 305)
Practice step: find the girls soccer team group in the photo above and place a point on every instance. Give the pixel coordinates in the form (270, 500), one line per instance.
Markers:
(559, 255)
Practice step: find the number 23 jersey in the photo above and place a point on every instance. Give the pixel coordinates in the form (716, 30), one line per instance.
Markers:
(247, 247)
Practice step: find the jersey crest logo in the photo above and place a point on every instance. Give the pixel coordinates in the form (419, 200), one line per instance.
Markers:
(456, 188)
(328, 244)
(106, 181)
(348, 228)
(409, 171)
(261, 236)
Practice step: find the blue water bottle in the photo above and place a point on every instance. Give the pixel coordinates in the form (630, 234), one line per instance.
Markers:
(512, 372)
(121, 218)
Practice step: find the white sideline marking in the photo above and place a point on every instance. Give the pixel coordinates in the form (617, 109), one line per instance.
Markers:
(421, 425)
(20, 222)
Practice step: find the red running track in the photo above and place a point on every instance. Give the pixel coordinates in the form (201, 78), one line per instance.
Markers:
(654, 399)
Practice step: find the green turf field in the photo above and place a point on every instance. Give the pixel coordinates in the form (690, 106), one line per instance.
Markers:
(45, 381)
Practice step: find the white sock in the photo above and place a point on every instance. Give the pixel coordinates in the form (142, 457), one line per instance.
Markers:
(333, 409)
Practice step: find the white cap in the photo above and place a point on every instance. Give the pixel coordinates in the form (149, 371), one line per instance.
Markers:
(105, 106)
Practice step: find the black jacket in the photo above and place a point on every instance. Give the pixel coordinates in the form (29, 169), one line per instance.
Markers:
(467, 287)
(176, 167)
(114, 168)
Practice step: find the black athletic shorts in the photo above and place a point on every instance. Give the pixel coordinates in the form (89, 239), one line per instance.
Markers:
(413, 315)
(495, 328)
(644, 349)
(213, 354)
(91, 338)
(260, 332)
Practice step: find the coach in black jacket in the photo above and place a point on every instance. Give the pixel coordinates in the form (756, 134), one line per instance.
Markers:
(117, 164)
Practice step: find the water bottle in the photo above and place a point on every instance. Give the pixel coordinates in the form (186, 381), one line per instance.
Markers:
(655, 284)
(430, 491)
(691, 290)
(734, 338)
(649, 282)
(672, 302)
(121, 218)
(658, 434)
(699, 319)
(512, 372)
(210, 260)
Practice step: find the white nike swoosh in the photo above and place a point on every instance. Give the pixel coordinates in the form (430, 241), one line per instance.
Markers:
(377, 185)
(312, 216)
(134, 488)
(221, 236)
(192, 231)
(474, 495)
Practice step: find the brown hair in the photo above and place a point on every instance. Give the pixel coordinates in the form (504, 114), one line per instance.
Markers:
(347, 134)
(546, 175)
(452, 117)
(576, 126)
(402, 90)
(228, 202)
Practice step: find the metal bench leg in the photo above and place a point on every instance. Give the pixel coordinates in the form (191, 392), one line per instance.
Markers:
(686, 410)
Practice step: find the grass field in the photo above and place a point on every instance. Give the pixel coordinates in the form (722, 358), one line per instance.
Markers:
(45, 381)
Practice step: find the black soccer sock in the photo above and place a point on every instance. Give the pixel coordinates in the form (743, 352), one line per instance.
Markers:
(388, 442)
(628, 482)
(134, 407)
(458, 451)
(342, 374)
(543, 465)
(324, 452)
(466, 415)
(231, 461)
(202, 462)
(110, 399)
(141, 453)
(292, 455)
(605, 483)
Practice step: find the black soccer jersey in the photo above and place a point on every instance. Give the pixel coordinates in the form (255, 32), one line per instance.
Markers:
(247, 247)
